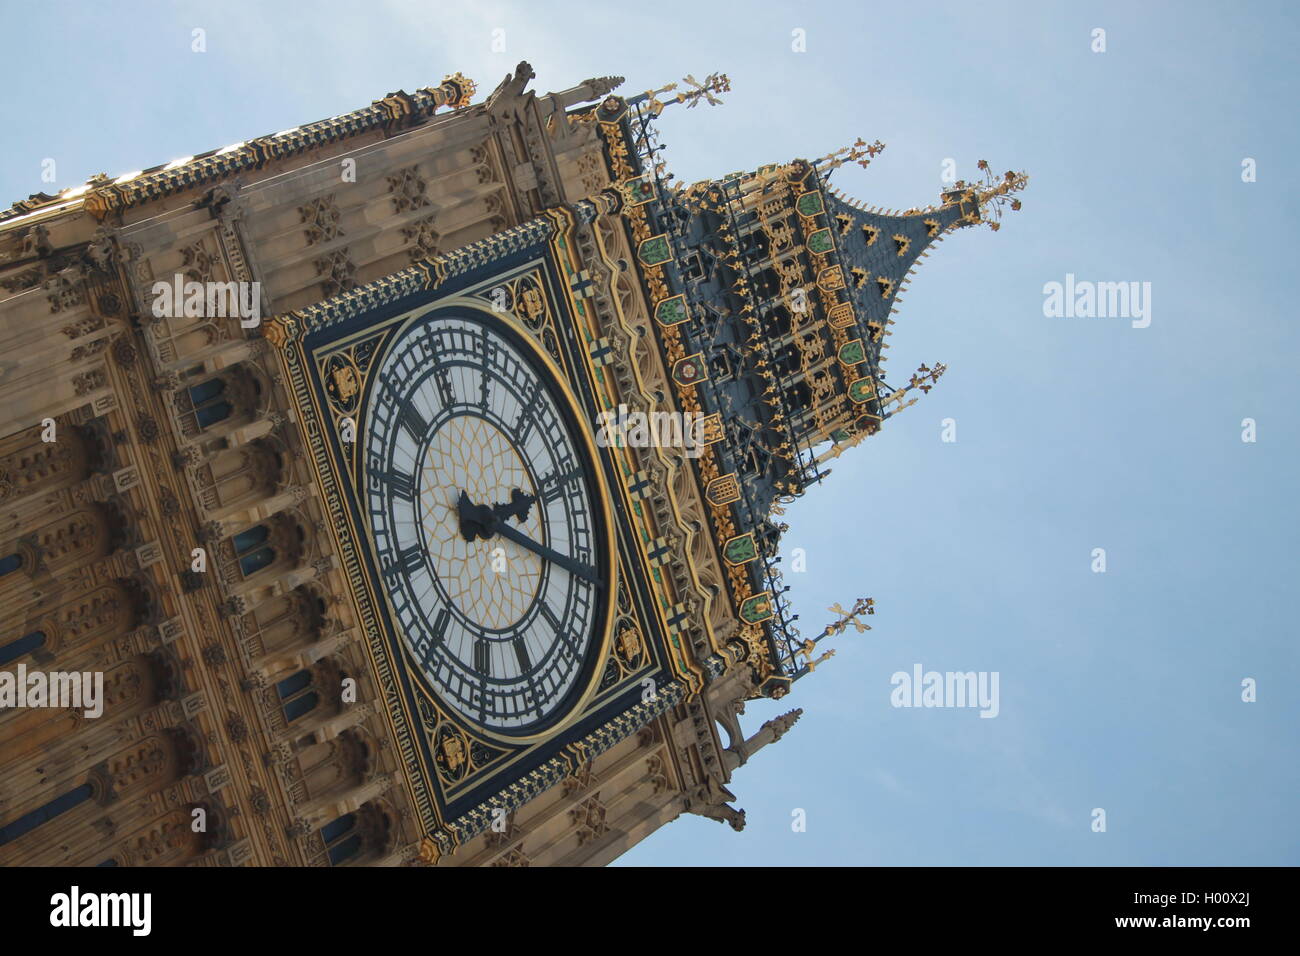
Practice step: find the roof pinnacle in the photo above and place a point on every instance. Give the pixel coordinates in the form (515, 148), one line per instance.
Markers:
(989, 195)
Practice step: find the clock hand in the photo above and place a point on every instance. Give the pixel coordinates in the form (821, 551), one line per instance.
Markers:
(483, 521)
(518, 507)
(569, 564)
(475, 520)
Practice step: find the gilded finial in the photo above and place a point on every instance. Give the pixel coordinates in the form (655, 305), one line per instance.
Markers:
(861, 152)
(992, 194)
(713, 83)
(807, 649)
(861, 606)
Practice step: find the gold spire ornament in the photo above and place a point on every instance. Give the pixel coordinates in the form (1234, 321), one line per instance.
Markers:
(861, 152)
(861, 606)
(713, 83)
(992, 194)
(806, 651)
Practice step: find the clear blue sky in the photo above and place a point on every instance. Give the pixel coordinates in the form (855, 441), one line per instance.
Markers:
(1118, 690)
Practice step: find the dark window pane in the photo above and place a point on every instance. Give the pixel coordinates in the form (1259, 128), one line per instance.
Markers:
(207, 391)
(337, 828)
(209, 415)
(10, 562)
(348, 848)
(293, 709)
(30, 821)
(252, 563)
(293, 683)
(246, 541)
(23, 645)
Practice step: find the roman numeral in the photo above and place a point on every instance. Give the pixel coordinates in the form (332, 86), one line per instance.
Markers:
(524, 423)
(440, 626)
(411, 419)
(534, 698)
(527, 410)
(400, 484)
(551, 617)
(483, 657)
(521, 652)
(407, 562)
(445, 389)
(555, 484)
(561, 633)
(489, 355)
(430, 343)
(437, 636)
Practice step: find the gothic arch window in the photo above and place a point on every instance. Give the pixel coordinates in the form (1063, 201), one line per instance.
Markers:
(43, 814)
(252, 550)
(10, 563)
(233, 396)
(297, 695)
(322, 767)
(364, 834)
(264, 550)
(332, 766)
(208, 404)
(289, 619)
(208, 391)
(21, 647)
(241, 474)
(342, 839)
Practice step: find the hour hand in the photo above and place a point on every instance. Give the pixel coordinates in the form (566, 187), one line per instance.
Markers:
(481, 521)
(517, 508)
(476, 521)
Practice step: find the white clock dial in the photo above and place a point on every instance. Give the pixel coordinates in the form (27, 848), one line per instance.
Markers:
(501, 630)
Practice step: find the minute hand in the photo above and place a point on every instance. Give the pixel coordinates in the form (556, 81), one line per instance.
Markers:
(569, 564)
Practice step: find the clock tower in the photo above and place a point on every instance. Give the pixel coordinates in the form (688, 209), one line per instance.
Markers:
(440, 617)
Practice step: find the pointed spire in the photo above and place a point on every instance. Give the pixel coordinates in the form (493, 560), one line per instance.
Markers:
(603, 85)
(771, 731)
(780, 726)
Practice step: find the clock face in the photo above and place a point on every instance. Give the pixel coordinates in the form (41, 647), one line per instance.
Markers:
(486, 522)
